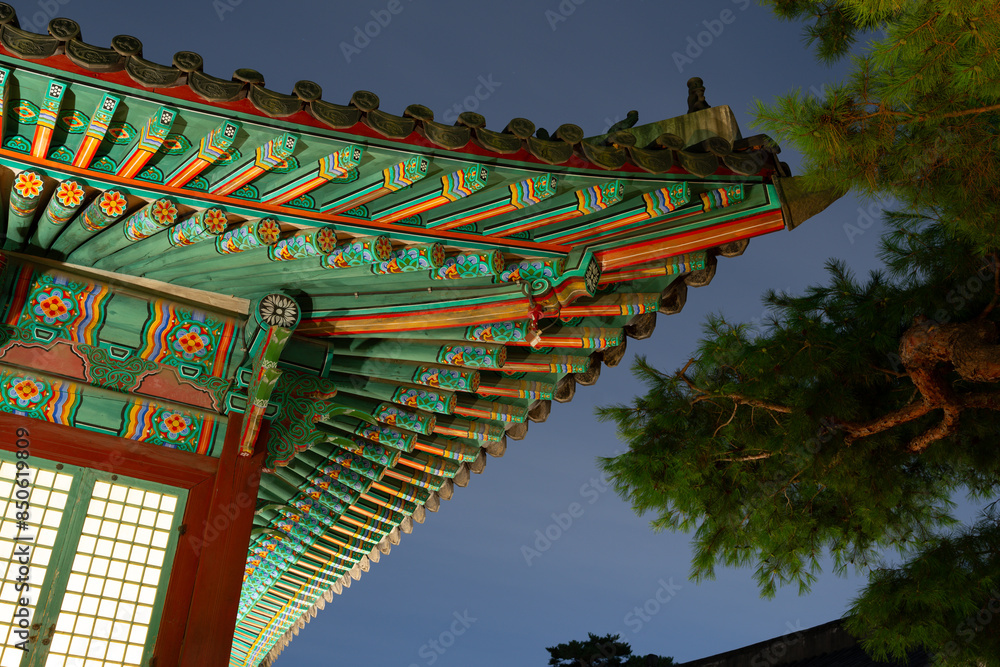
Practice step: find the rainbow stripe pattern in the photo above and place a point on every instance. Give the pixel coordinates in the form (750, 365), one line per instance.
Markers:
(267, 157)
(150, 138)
(211, 149)
(334, 165)
(584, 202)
(398, 176)
(96, 130)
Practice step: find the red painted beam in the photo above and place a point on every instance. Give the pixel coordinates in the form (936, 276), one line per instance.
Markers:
(121, 456)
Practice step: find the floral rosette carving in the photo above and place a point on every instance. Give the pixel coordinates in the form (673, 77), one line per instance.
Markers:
(28, 184)
(268, 231)
(113, 203)
(359, 252)
(53, 305)
(26, 393)
(191, 340)
(174, 426)
(69, 194)
(202, 225)
(150, 220)
(413, 258)
(104, 210)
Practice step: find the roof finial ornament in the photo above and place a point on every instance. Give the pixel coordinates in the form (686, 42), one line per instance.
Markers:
(696, 95)
(630, 120)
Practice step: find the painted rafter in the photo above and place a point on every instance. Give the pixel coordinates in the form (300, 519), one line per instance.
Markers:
(151, 136)
(454, 186)
(199, 226)
(656, 203)
(333, 166)
(401, 175)
(584, 201)
(266, 158)
(96, 130)
(5, 79)
(523, 194)
(209, 151)
(62, 207)
(48, 112)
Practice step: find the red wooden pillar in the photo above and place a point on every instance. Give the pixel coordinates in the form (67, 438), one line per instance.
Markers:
(222, 553)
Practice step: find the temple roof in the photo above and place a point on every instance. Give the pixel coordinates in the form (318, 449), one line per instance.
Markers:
(398, 297)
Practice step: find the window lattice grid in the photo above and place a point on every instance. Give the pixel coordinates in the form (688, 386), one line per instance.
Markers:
(106, 612)
(48, 495)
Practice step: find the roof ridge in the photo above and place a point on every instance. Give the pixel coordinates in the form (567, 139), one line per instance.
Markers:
(652, 148)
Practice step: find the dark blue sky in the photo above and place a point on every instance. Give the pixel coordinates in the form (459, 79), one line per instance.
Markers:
(571, 61)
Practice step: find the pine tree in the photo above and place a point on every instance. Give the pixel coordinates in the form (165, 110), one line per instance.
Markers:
(606, 651)
(846, 424)
(918, 120)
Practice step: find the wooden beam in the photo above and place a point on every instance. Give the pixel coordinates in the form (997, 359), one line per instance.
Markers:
(88, 449)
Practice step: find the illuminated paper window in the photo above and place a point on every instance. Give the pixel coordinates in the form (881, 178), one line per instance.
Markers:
(99, 565)
(47, 494)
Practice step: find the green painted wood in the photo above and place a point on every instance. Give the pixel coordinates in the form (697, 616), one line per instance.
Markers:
(380, 433)
(437, 465)
(203, 257)
(351, 253)
(105, 210)
(391, 413)
(411, 395)
(201, 226)
(479, 429)
(497, 410)
(532, 385)
(24, 198)
(457, 353)
(63, 206)
(460, 449)
(436, 375)
(152, 218)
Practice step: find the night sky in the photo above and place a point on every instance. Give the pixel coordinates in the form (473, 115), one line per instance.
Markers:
(467, 578)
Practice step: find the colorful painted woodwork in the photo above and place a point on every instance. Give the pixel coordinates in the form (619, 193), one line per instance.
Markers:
(355, 321)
